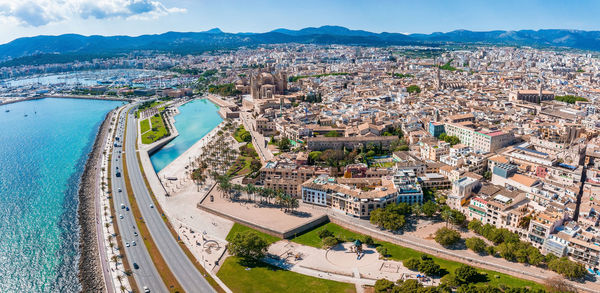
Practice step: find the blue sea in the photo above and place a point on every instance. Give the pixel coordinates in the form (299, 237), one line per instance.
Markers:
(195, 120)
(42, 157)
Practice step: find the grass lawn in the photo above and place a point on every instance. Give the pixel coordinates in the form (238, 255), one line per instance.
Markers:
(144, 125)
(153, 104)
(264, 278)
(238, 132)
(239, 228)
(157, 132)
(243, 162)
(397, 252)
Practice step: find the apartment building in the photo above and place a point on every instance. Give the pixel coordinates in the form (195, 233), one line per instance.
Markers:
(358, 197)
(542, 225)
(406, 161)
(480, 141)
(337, 143)
(288, 176)
(434, 151)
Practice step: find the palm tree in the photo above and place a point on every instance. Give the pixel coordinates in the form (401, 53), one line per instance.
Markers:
(294, 203)
(264, 192)
(237, 188)
(250, 189)
(272, 194)
(120, 279)
(447, 215)
(417, 209)
(280, 198)
(115, 259)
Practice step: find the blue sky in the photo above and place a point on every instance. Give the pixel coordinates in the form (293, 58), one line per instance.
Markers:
(20, 18)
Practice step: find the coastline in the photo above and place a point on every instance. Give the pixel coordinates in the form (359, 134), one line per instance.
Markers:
(90, 269)
(104, 98)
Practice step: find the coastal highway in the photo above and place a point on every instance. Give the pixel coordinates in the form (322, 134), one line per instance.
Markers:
(184, 270)
(146, 275)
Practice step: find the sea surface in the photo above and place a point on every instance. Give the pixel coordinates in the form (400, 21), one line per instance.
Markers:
(42, 157)
(195, 120)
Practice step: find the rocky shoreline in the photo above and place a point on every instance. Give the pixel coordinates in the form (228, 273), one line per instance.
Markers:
(90, 269)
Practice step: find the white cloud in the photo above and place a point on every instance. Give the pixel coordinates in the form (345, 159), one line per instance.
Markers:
(41, 12)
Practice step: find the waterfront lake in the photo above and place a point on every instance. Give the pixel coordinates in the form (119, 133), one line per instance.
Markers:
(42, 157)
(196, 119)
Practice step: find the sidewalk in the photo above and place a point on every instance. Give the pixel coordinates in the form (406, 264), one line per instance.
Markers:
(108, 233)
(181, 210)
(519, 270)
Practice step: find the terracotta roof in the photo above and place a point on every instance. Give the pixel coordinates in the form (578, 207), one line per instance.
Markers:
(524, 180)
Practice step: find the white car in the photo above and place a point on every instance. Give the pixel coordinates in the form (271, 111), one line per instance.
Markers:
(146, 290)
(127, 244)
(120, 216)
(151, 206)
(132, 243)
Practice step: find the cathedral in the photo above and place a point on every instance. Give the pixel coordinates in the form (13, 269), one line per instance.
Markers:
(265, 84)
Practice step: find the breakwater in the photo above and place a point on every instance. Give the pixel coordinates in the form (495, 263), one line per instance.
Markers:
(90, 268)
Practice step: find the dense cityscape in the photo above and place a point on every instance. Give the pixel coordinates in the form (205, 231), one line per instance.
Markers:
(136, 157)
(483, 153)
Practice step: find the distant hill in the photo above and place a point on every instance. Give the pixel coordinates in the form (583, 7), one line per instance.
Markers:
(195, 42)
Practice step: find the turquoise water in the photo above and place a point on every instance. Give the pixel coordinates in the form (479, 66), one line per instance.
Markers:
(41, 161)
(196, 119)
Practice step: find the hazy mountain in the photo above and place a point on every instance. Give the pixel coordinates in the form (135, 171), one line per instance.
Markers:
(326, 30)
(195, 42)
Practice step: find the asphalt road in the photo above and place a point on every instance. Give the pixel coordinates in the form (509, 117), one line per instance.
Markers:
(146, 275)
(184, 270)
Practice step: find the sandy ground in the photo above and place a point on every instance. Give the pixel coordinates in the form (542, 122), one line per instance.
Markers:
(340, 263)
(268, 217)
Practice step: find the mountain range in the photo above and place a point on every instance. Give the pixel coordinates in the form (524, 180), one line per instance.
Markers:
(196, 42)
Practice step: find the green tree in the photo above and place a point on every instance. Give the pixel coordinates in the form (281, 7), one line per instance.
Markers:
(324, 233)
(412, 263)
(332, 133)
(284, 144)
(314, 156)
(475, 226)
(447, 237)
(408, 286)
(429, 268)
(413, 89)
(382, 250)
(491, 250)
(567, 268)
(255, 165)
(506, 251)
(368, 240)
(476, 244)
(383, 286)
(466, 274)
(387, 219)
(487, 175)
(246, 136)
(429, 208)
(416, 209)
(535, 257)
(330, 241)
(248, 245)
